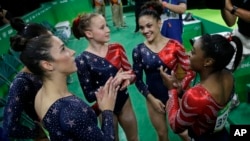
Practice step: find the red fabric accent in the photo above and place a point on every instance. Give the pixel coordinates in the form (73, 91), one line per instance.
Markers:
(117, 57)
(197, 110)
(172, 55)
(95, 107)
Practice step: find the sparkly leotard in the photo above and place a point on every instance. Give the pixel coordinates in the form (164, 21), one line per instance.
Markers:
(94, 71)
(198, 112)
(148, 61)
(20, 99)
(71, 119)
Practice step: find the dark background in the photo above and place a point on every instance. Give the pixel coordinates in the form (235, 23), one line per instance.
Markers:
(22, 7)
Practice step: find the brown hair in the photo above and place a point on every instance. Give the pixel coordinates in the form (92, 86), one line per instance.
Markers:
(81, 23)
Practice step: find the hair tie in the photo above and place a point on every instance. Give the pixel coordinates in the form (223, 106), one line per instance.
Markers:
(230, 38)
(76, 21)
(151, 7)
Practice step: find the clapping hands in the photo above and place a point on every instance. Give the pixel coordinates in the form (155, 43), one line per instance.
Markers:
(124, 78)
(106, 95)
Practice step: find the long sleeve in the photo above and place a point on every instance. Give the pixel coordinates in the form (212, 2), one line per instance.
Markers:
(117, 57)
(183, 61)
(82, 126)
(85, 79)
(197, 111)
(138, 70)
(14, 109)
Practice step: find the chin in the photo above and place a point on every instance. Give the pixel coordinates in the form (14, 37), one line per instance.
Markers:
(149, 40)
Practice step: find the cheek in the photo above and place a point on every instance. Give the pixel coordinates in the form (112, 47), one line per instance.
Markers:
(193, 61)
(64, 59)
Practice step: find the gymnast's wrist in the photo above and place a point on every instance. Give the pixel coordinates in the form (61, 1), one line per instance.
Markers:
(173, 91)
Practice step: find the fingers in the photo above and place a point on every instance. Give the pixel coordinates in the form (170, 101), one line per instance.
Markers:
(107, 84)
(120, 70)
(172, 73)
(112, 89)
(125, 84)
(162, 108)
(123, 76)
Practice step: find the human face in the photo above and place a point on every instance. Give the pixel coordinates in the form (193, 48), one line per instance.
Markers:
(197, 57)
(99, 30)
(149, 27)
(63, 57)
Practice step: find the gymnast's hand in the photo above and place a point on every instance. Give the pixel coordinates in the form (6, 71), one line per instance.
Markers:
(124, 78)
(170, 81)
(106, 95)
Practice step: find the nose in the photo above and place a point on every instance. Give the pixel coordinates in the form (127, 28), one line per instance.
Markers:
(145, 30)
(72, 52)
(108, 30)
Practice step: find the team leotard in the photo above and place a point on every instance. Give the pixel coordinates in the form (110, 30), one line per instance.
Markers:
(199, 111)
(94, 71)
(71, 119)
(21, 97)
(169, 57)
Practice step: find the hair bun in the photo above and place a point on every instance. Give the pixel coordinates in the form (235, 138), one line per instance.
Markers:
(153, 5)
(18, 43)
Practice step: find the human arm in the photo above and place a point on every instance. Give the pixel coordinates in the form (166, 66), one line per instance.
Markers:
(138, 70)
(127, 74)
(182, 116)
(106, 96)
(229, 18)
(4, 15)
(183, 61)
(14, 109)
(180, 8)
(86, 125)
(141, 86)
(84, 78)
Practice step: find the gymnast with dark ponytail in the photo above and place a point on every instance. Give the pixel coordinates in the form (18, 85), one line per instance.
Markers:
(205, 107)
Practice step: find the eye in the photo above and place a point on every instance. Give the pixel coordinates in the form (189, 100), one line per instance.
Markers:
(149, 25)
(192, 52)
(62, 48)
(191, 41)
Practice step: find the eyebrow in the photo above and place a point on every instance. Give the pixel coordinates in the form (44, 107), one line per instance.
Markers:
(61, 46)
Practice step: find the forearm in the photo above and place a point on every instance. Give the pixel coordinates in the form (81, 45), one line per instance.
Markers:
(228, 18)
(242, 13)
(173, 108)
(180, 9)
(21, 132)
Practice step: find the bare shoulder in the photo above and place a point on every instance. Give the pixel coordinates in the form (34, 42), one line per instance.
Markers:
(227, 76)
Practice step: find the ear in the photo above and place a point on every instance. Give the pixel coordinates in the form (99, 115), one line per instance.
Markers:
(88, 34)
(160, 23)
(208, 62)
(47, 65)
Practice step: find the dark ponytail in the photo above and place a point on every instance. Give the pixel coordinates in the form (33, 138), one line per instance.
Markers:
(221, 50)
(239, 51)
